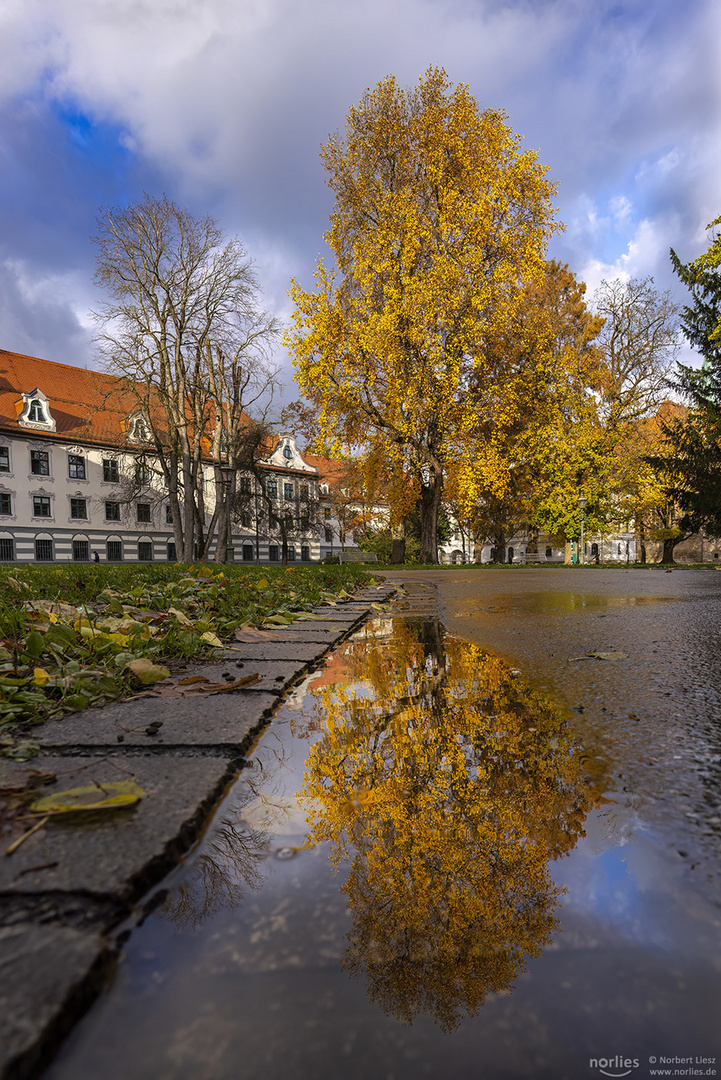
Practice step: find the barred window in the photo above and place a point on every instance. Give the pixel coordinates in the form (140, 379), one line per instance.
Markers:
(44, 550)
(248, 554)
(145, 551)
(273, 554)
(76, 467)
(7, 549)
(79, 508)
(305, 553)
(114, 551)
(172, 557)
(81, 551)
(291, 553)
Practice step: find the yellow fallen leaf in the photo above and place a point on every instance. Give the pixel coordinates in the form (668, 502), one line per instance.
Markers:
(146, 671)
(40, 676)
(180, 616)
(262, 583)
(91, 797)
(212, 639)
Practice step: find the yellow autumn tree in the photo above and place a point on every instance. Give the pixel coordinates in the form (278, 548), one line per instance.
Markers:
(439, 222)
(450, 787)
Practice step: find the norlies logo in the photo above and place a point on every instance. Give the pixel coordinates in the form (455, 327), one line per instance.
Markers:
(615, 1066)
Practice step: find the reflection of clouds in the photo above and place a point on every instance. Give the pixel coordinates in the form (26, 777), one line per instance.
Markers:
(450, 790)
(227, 867)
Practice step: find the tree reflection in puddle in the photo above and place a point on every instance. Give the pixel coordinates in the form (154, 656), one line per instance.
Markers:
(449, 787)
(227, 866)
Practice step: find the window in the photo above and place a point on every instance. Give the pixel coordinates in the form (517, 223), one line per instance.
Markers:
(304, 524)
(291, 553)
(138, 429)
(145, 551)
(114, 551)
(76, 467)
(304, 492)
(246, 519)
(168, 515)
(142, 473)
(143, 511)
(172, 557)
(271, 488)
(111, 472)
(44, 550)
(549, 552)
(287, 452)
(41, 506)
(328, 535)
(112, 511)
(7, 550)
(326, 513)
(40, 463)
(287, 491)
(324, 489)
(5, 503)
(79, 508)
(305, 553)
(81, 551)
(247, 552)
(273, 553)
(4, 459)
(36, 412)
(245, 485)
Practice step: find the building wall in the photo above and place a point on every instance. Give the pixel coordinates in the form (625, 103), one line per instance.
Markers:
(40, 507)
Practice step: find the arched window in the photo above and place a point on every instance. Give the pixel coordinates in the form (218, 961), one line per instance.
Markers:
(287, 452)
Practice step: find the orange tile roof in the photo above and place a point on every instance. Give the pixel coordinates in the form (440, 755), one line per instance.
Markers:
(87, 406)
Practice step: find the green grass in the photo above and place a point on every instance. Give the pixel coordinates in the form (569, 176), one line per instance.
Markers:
(69, 634)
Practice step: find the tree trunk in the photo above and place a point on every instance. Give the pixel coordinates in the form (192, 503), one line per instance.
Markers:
(668, 545)
(430, 505)
(499, 548)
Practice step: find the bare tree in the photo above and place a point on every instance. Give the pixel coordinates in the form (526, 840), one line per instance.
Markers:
(639, 341)
(184, 331)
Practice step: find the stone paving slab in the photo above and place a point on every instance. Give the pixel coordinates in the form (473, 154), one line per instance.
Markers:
(48, 974)
(307, 651)
(217, 720)
(118, 853)
(275, 675)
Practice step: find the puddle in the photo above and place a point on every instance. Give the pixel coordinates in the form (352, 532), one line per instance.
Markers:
(422, 874)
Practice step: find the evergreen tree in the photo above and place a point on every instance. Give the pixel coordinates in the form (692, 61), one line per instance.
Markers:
(691, 468)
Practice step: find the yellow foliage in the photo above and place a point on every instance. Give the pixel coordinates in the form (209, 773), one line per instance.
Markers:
(450, 787)
(439, 222)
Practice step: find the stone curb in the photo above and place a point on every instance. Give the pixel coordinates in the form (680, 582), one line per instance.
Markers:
(71, 884)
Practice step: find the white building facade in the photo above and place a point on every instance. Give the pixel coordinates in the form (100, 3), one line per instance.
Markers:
(78, 481)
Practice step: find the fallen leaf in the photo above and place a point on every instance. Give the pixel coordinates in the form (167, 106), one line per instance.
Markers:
(212, 639)
(193, 679)
(146, 671)
(90, 797)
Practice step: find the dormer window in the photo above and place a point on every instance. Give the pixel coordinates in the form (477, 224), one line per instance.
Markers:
(34, 411)
(287, 453)
(138, 429)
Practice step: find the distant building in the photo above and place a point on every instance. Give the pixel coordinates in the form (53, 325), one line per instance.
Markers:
(77, 476)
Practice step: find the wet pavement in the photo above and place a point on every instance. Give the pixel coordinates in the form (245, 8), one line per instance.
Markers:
(465, 848)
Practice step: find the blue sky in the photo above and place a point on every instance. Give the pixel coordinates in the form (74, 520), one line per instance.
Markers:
(223, 105)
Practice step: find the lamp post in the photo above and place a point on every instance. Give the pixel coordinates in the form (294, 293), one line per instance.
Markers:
(226, 480)
(581, 503)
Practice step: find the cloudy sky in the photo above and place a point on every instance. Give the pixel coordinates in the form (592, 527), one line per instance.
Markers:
(223, 105)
